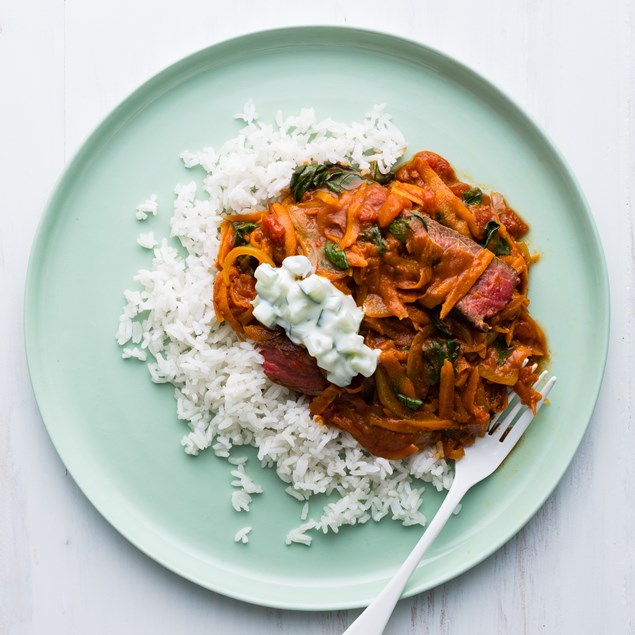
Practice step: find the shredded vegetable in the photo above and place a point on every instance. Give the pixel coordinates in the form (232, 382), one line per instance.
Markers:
(440, 270)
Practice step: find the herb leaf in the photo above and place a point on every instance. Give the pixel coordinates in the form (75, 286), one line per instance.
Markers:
(490, 229)
(373, 235)
(419, 217)
(314, 175)
(242, 229)
(502, 354)
(307, 177)
(400, 229)
(473, 196)
(502, 248)
(410, 403)
(439, 325)
(339, 181)
(335, 255)
(378, 176)
(498, 244)
(434, 354)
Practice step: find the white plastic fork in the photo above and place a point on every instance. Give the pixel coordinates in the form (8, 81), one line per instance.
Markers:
(481, 459)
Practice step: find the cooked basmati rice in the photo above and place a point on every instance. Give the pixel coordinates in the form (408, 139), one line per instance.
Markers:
(149, 206)
(220, 388)
(299, 534)
(135, 352)
(241, 535)
(241, 500)
(147, 241)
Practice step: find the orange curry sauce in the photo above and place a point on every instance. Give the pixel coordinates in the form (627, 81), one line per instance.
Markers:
(441, 272)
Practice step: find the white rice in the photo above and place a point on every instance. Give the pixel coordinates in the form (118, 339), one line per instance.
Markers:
(241, 535)
(135, 352)
(299, 534)
(241, 499)
(220, 389)
(147, 241)
(149, 206)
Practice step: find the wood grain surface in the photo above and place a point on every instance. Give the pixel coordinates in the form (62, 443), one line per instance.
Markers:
(65, 64)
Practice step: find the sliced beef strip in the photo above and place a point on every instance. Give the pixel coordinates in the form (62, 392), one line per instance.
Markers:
(492, 291)
(290, 365)
(490, 294)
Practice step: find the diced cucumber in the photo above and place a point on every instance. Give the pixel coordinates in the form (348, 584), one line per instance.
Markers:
(316, 314)
(265, 313)
(316, 288)
(346, 322)
(266, 274)
(364, 364)
(333, 302)
(298, 265)
(349, 343)
(330, 360)
(317, 343)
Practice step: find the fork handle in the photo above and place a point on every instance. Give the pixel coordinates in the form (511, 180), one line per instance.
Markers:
(375, 617)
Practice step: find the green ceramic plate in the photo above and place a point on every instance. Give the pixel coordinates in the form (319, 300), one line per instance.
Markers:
(118, 433)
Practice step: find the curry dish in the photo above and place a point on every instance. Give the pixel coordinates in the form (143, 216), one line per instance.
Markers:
(440, 271)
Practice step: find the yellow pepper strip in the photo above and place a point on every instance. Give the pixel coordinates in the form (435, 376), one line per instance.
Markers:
(408, 190)
(325, 197)
(251, 217)
(226, 242)
(245, 250)
(222, 309)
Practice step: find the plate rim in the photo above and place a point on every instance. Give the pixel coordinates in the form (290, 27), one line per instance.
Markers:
(190, 61)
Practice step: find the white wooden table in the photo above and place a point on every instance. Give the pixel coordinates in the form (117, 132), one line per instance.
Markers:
(65, 64)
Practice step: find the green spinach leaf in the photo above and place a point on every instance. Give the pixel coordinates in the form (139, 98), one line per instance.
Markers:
(378, 176)
(242, 229)
(306, 177)
(502, 247)
(503, 354)
(373, 235)
(419, 217)
(410, 403)
(314, 175)
(400, 229)
(335, 255)
(490, 229)
(342, 180)
(473, 196)
(494, 241)
(434, 354)
(439, 325)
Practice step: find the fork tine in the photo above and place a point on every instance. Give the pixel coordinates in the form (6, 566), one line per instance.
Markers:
(525, 419)
(512, 399)
(510, 414)
(498, 429)
(496, 425)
